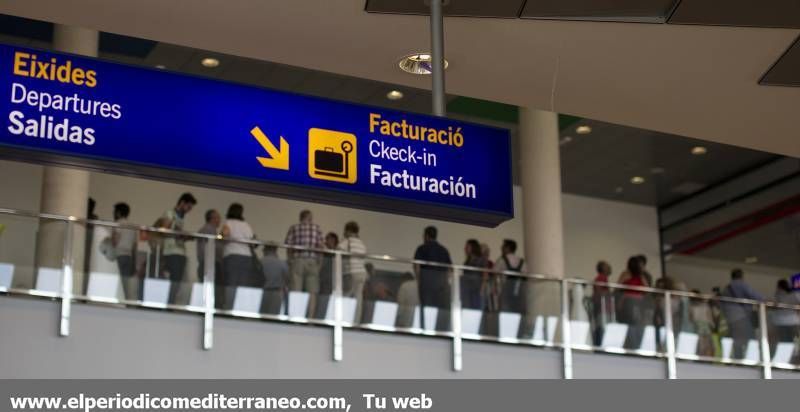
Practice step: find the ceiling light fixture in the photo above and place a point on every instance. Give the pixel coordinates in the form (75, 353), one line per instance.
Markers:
(394, 95)
(161, 66)
(418, 63)
(699, 150)
(210, 62)
(657, 170)
(637, 180)
(583, 129)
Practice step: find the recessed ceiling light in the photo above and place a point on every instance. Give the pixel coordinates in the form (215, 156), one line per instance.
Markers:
(699, 150)
(583, 129)
(210, 62)
(637, 180)
(160, 66)
(394, 95)
(751, 260)
(418, 63)
(657, 170)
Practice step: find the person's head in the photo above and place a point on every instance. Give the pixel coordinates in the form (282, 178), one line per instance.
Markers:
(351, 229)
(665, 282)
(643, 260)
(121, 211)
(678, 285)
(603, 267)
(270, 250)
(661, 283)
(485, 251)
(472, 248)
(635, 266)
(783, 285)
(430, 233)
(305, 216)
(509, 247)
(737, 274)
(185, 203)
(235, 212)
(331, 240)
(213, 217)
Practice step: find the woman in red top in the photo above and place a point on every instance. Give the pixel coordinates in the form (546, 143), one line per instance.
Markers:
(631, 303)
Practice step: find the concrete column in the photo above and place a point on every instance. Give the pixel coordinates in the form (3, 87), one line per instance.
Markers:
(64, 191)
(540, 168)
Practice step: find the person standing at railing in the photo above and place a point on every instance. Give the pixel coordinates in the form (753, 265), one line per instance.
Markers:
(648, 303)
(433, 281)
(602, 302)
(719, 324)
(741, 317)
(632, 301)
(702, 318)
(304, 265)
(212, 227)
(513, 295)
(326, 276)
(124, 241)
(276, 280)
(472, 280)
(355, 273)
(240, 263)
(786, 321)
(174, 246)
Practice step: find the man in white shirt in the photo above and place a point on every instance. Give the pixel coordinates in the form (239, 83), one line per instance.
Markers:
(174, 247)
(354, 271)
(124, 242)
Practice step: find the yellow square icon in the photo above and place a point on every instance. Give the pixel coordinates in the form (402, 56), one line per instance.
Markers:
(332, 155)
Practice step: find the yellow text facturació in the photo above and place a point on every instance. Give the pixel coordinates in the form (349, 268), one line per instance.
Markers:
(29, 65)
(402, 129)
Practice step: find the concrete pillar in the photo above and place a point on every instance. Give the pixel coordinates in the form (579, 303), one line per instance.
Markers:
(64, 191)
(543, 229)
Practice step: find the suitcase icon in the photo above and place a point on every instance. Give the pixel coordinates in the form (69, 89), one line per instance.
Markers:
(332, 156)
(328, 162)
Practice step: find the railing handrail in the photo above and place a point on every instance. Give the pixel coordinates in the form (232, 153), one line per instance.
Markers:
(395, 259)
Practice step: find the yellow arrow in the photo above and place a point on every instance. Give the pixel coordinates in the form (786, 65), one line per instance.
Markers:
(279, 159)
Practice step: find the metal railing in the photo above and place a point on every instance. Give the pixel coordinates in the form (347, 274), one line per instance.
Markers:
(562, 326)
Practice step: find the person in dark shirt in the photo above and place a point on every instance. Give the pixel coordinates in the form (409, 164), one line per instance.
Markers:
(739, 316)
(433, 281)
(602, 302)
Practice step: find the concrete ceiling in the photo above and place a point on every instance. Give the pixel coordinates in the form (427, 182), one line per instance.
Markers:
(694, 81)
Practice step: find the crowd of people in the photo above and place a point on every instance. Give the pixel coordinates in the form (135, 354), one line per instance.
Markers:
(710, 319)
(309, 269)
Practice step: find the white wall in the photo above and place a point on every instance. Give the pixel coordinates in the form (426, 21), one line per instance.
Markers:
(594, 229)
(704, 274)
(602, 229)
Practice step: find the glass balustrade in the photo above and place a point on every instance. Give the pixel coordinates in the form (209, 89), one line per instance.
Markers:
(137, 266)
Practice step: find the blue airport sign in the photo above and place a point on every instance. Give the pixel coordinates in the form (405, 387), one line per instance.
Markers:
(71, 110)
